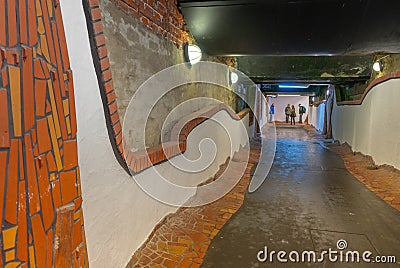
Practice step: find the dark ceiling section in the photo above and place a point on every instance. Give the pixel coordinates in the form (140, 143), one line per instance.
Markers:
(314, 70)
(294, 27)
(304, 41)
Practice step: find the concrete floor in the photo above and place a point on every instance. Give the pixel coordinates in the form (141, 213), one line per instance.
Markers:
(308, 202)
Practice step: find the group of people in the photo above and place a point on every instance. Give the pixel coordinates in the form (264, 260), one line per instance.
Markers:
(290, 112)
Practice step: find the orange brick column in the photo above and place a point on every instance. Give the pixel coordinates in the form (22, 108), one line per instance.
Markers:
(40, 196)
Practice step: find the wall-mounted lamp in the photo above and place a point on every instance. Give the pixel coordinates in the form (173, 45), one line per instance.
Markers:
(377, 66)
(192, 53)
(313, 99)
(233, 78)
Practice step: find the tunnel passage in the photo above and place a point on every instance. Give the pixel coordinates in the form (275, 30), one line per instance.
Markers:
(308, 202)
(63, 100)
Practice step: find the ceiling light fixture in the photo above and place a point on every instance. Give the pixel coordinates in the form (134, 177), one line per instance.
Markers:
(284, 95)
(294, 86)
(192, 53)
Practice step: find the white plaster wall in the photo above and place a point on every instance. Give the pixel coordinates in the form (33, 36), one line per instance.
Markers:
(264, 113)
(118, 215)
(113, 205)
(282, 101)
(228, 137)
(316, 116)
(372, 128)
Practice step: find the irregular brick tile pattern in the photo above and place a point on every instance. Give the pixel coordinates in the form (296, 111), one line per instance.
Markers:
(182, 239)
(40, 196)
(383, 180)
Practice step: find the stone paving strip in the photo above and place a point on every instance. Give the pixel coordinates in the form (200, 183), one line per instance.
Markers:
(382, 180)
(182, 238)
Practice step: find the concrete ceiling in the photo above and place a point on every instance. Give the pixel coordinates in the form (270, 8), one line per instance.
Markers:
(324, 41)
(313, 70)
(294, 27)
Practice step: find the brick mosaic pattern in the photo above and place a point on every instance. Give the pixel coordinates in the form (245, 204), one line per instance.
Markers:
(182, 239)
(374, 83)
(40, 195)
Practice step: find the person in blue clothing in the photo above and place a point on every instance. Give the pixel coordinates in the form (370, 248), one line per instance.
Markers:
(271, 112)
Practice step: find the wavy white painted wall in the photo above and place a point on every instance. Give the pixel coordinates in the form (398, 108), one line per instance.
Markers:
(118, 215)
(372, 128)
(316, 116)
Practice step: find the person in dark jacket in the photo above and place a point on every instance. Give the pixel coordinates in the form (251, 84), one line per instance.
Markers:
(302, 110)
(287, 113)
(293, 115)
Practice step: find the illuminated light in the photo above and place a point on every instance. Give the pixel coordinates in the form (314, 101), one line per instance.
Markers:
(327, 92)
(313, 99)
(193, 54)
(294, 86)
(377, 66)
(234, 77)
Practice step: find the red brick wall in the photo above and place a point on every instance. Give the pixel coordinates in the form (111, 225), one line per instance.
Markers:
(40, 196)
(162, 16)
